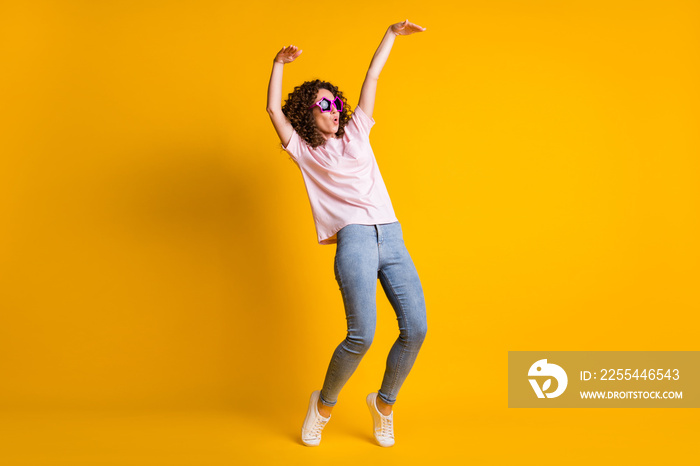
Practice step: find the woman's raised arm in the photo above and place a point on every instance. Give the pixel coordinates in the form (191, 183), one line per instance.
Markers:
(369, 87)
(274, 93)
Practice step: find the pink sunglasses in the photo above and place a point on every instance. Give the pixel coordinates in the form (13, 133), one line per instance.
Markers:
(325, 104)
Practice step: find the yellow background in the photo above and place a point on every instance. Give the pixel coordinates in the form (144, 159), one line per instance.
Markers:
(164, 300)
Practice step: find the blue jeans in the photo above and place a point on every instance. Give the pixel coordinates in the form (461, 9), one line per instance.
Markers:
(365, 253)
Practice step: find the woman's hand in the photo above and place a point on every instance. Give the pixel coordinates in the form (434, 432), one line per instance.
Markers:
(405, 28)
(288, 54)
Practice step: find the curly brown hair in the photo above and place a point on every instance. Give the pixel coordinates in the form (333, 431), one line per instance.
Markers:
(296, 109)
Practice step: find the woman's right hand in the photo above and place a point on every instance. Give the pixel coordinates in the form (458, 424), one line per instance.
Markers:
(288, 54)
(405, 28)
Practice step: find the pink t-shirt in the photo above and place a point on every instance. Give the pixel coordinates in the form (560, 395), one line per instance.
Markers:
(342, 179)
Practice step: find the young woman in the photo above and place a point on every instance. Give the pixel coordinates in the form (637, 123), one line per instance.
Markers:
(351, 207)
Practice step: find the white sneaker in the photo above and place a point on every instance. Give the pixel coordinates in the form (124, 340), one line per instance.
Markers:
(383, 425)
(314, 423)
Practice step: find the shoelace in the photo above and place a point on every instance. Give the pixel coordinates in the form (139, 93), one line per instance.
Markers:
(386, 428)
(318, 426)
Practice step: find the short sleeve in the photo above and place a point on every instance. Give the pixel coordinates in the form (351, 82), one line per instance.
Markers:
(362, 121)
(293, 146)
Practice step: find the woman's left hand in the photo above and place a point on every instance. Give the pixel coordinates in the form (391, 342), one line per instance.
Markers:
(405, 28)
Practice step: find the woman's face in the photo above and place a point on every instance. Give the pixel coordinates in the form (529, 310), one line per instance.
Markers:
(326, 122)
